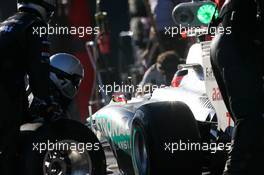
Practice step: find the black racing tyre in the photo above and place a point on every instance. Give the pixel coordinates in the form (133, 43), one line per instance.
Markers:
(155, 127)
(64, 147)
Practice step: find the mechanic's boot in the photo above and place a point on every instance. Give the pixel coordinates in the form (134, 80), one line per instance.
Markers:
(246, 152)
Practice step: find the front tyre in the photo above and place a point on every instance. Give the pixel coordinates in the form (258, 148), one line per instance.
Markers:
(140, 152)
(64, 147)
(154, 127)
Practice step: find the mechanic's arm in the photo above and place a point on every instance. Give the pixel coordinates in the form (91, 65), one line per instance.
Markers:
(38, 64)
(148, 77)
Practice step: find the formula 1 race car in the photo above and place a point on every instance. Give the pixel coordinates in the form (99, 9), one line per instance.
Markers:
(184, 128)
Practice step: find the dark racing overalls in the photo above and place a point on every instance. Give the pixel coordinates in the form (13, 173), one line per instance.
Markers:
(237, 61)
(22, 52)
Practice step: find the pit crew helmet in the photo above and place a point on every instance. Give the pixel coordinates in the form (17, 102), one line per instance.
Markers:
(46, 8)
(67, 73)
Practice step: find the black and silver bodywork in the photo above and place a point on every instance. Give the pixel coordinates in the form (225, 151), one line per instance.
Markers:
(198, 91)
(144, 131)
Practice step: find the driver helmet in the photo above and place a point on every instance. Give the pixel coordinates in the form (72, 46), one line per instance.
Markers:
(45, 8)
(66, 72)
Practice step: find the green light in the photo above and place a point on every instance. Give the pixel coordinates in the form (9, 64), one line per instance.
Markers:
(206, 12)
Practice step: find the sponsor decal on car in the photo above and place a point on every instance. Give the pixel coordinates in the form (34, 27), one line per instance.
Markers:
(113, 131)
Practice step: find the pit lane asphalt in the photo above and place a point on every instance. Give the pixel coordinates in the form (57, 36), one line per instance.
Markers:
(112, 164)
(110, 160)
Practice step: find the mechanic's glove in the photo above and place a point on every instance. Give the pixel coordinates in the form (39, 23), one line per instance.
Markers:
(47, 109)
(53, 112)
